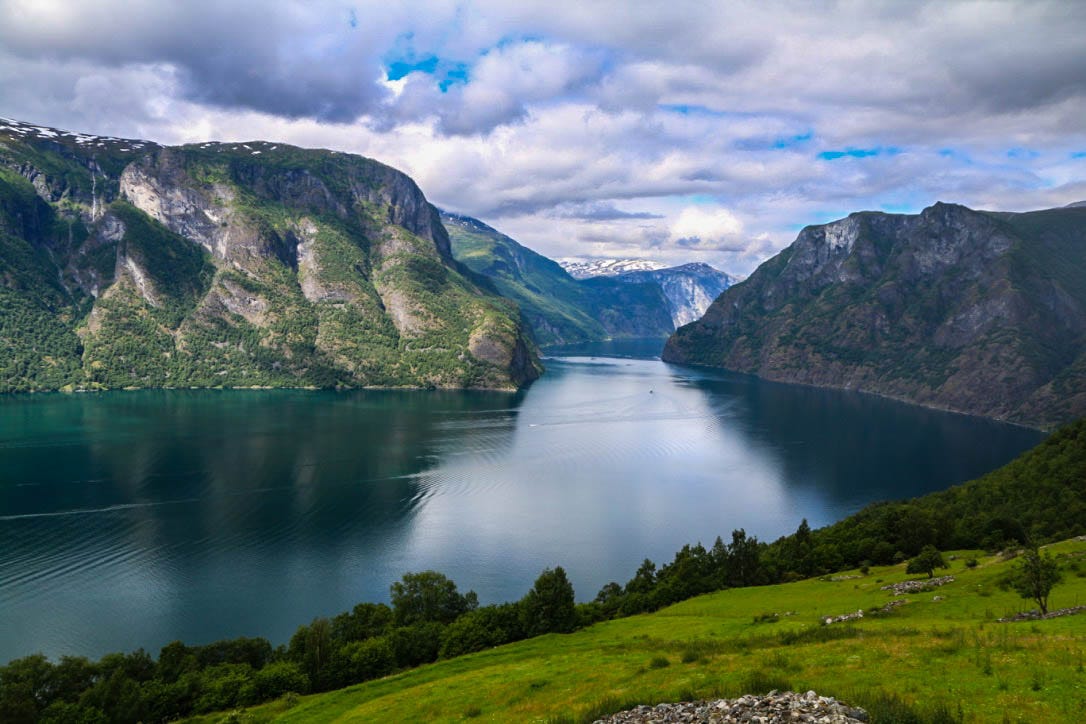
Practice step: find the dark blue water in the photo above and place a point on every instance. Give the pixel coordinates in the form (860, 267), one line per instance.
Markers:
(132, 519)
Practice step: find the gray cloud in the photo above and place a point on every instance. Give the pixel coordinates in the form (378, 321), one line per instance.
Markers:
(597, 211)
(292, 59)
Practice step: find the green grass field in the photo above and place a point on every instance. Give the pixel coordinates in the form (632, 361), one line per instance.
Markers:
(930, 656)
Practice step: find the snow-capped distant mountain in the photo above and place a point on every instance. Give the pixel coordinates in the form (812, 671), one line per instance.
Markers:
(688, 289)
(584, 268)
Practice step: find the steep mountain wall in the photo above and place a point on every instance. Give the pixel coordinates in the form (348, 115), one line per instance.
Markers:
(252, 264)
(977, 312)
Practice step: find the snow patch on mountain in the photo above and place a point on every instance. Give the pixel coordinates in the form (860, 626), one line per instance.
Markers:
(584, 268)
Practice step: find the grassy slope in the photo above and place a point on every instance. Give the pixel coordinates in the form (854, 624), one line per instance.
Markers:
(929, 653)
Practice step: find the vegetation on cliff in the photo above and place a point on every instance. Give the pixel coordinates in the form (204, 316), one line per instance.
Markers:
(560, 309)
(978, 312)
(127, 264)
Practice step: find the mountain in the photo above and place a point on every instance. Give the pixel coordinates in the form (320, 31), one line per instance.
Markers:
(128, 264)
(560, 309)
(688, 289)
(585, 268)
(978, 312)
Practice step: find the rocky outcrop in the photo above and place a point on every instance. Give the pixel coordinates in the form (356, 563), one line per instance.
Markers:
(977, 312)
(244, 264)
(688, 289)
(773, 708)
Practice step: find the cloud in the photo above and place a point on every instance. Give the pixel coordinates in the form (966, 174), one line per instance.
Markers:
(507, 80)
(293, 59)
(597, 211)
(701, 228)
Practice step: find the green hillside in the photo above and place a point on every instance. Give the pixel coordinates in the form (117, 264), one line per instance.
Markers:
(553, 303)
(942, 652)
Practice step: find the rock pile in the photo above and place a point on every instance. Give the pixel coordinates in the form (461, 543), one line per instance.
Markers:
(916, 586)
(843, 617)
(887, 608)
(773, 708)
(1036, 615)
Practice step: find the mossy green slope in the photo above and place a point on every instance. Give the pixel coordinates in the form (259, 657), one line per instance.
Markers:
(941, 650)
(127, 264)
(558, 308)
(553, 303)
(977, 312)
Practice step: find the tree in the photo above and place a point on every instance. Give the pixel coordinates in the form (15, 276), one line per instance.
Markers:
(429, 596)
(743, 559)
(644, 579)
(549, 607)
(926, 561)
(311, 647)
(1035, 575)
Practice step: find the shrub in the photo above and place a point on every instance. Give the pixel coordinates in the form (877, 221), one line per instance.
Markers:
(659, 662)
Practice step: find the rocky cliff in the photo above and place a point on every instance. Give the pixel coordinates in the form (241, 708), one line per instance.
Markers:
(128, 264)
(562, 309)
(688, 289)
(983, 313)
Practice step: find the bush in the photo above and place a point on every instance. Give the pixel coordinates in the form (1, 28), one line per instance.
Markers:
(659, 662)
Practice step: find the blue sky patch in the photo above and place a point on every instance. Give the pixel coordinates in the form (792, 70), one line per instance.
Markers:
(455, 73)
(860, 153)
(399, 68)
(1022, 154)
(793, 141)
(692, 110)
(779, 143)
(1079, 154)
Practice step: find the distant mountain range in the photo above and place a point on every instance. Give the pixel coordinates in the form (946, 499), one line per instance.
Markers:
(128, 264)
(585, 268)
(973, 311)
(561, 309)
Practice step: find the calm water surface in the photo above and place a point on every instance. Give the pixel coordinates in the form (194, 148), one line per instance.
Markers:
(135, 518)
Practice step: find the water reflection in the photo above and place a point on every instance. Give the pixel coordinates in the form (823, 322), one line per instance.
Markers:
(132, 519)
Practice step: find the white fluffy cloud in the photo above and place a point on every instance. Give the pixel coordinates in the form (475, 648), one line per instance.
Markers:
(671, 130)
(702, 228)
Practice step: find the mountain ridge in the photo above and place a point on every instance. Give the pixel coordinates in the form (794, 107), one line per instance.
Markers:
(587, 268)
(233, 264)
(972, 311)
(561, 309)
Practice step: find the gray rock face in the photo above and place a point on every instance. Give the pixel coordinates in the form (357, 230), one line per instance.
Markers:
(237, 265)
(977, 312)
(688, 289)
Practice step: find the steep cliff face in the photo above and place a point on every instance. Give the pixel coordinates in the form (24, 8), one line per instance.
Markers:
(561, 309)
(688, 289)
(236, 265)
(977, 312)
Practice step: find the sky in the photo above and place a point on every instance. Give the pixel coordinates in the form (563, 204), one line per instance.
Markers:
(675, 131)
